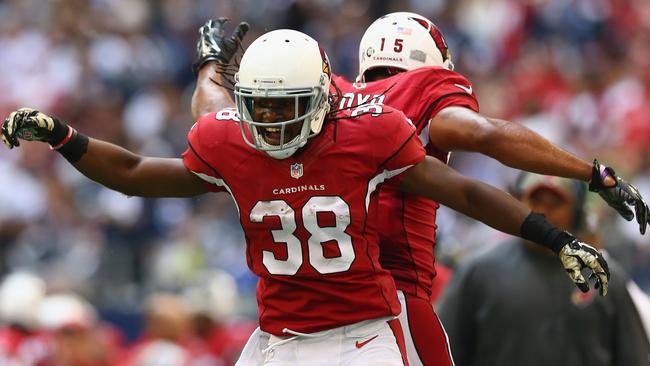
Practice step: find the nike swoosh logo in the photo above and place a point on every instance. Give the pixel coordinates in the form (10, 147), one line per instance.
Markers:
(467, 89)
(361, 344)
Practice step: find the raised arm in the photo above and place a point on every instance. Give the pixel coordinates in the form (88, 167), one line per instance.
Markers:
(209, 95)
(458, 128)
(435, 180)
(103, 162)
(213, 64)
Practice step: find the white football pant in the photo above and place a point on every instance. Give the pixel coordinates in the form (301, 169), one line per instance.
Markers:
(367, 343)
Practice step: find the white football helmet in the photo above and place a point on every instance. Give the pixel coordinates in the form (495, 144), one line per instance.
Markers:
(405, 41)
(283, 64)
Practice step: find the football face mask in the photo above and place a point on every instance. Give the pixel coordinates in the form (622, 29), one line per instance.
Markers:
(277, 123)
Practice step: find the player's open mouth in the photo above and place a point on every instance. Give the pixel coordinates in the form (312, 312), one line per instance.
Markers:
(272, 135)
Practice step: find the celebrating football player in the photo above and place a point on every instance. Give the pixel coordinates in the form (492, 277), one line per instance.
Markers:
(404, 62)
(304, 176)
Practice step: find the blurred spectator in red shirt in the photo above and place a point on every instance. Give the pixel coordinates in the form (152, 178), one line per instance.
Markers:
(76, 336)
(213, 302)
(21, 343)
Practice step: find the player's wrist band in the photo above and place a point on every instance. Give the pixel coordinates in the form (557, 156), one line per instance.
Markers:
(73, 146)
(196, 67)
(598, 174)
(65, 140)
(536, 229)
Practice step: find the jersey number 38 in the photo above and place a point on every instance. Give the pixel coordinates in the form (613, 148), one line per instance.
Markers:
(319, 235)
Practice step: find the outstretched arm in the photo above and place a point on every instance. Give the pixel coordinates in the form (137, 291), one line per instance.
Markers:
(514, 145)
(458, 128)
(136, 175)
(103, 162)
(435, 180)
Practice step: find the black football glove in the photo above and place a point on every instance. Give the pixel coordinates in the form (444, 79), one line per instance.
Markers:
(31, 125)
(213, 45)
(621, 196)
(575, 256)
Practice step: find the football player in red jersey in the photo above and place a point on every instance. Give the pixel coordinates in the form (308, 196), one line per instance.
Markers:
(404, 62)
(304, 177)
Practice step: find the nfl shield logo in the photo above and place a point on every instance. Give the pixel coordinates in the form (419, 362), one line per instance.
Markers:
(296, 170)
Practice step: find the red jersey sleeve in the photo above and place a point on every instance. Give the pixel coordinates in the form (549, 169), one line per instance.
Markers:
(444, 88)
(396, 136)
(340, 82)
(201, 142)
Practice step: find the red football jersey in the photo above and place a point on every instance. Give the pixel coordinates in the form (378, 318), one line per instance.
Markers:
(310, 220)
(407, 222)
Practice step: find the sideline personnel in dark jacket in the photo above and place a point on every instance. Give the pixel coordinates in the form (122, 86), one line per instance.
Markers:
(512, 306)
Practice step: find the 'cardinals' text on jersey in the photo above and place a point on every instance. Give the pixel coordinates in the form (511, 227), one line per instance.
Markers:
(310, 219)
(407, 222)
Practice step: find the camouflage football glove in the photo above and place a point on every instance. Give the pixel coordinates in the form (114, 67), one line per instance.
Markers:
(213, 45)
(31, 125)
(621, 196)
(575, 256)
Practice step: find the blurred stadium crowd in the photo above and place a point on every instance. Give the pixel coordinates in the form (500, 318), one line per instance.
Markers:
(576, 71)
